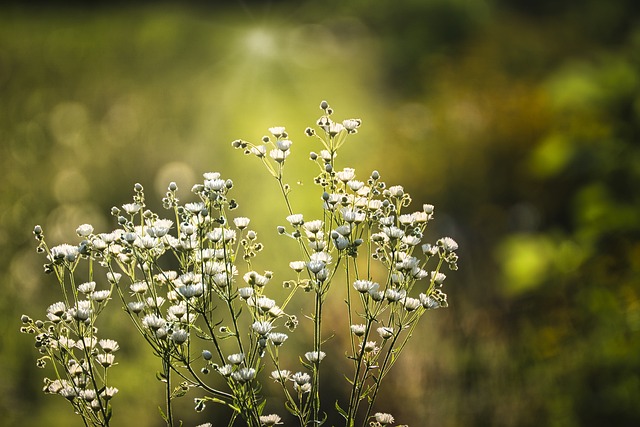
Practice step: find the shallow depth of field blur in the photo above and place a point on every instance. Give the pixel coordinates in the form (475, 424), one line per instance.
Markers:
(519, 120)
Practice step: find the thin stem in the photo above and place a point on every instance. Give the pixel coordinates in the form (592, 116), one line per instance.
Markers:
(166, 368)
(284, 194)
(317, 343)
(383, 368)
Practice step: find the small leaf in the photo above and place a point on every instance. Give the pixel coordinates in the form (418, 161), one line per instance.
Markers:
(261, 406)
(164, 417)
(348, 379)
(291, 408)
(341, 411)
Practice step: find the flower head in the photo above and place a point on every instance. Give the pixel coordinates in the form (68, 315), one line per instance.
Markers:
(385, 332)
(100, 296)
(281, 375)
(106, 359)
(358, 330)
(244, 375)
(364, 286)
(87, 287)
(313, 226)
(315, 356)
(384, 418)
(448, 244)
(246, 292)
(297, 266)
(352, 125)
(279, 155)
(235, 359)
(347, 174)
(283, 144)
(84, 230)
(225, 370)
(241, 222)
(139, 287)
(113, 277)
(301, 378)
(295, 219)
(270, 420)
(370, 346)
(277, 131)
(215, 184)
(135, 306)
(277, 338)
(153, 322)
(57, 308)
(64, 251)
(262, 327)
(109, 346)
(410, 304)
(109, 392)
(179, 336)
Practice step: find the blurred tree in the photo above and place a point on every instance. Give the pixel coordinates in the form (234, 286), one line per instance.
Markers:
(531, 144)
(519, 120)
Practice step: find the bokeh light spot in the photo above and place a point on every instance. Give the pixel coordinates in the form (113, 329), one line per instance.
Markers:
(179, 172)
(68, 122)
(69, 185)
(551, 156)
(260, 43)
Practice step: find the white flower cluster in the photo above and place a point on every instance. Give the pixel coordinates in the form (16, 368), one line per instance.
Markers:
(188, 285)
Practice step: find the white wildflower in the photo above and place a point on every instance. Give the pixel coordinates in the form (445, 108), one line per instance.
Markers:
(277, 338)
(261, 327)
(109, 346)
(358, 330)
(448, 244)
(384, 418)
(100, 296)
(131, 208)
(270, 420)
(277, 131)
(244, 375)
(84, 230)
(179, 336)
(385, 332)
(281, 375)
(241, 222)
(236, 358)
(364, 286)
(295, 219)
(314, 356)
(87, 287)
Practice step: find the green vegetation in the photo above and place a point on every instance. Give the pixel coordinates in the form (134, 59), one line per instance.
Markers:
(518, 120)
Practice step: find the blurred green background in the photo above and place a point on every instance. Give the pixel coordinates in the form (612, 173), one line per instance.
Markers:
(519, 120)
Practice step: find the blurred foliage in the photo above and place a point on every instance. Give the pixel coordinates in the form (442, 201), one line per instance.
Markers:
(518, 119)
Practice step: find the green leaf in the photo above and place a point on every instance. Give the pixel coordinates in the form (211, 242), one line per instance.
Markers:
(348, 379)
(323, 420)
(164, 417)
(261, 406)
(341, 411)
(291, 408)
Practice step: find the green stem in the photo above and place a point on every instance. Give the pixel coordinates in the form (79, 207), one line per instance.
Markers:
(166, 368)
(382, 371)
(317, 344)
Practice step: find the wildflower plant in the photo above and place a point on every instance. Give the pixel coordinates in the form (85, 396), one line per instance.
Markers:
(186, 281)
